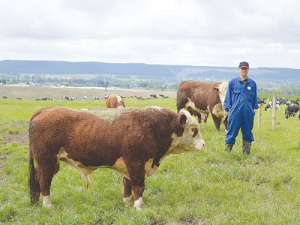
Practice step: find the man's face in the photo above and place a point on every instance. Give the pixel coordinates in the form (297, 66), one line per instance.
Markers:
(244, 72)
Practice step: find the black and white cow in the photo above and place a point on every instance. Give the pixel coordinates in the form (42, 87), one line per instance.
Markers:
(269, 105)
(291, 110)
(261, 101)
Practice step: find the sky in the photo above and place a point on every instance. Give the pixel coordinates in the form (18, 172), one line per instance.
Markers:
(171, 32)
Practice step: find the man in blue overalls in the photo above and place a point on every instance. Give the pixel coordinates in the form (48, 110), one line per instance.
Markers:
(241, 103)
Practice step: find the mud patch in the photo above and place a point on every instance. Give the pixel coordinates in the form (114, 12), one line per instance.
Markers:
(20, 138)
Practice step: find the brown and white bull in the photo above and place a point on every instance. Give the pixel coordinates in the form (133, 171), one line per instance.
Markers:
(131, 141)
(114, 101)
(200, 98)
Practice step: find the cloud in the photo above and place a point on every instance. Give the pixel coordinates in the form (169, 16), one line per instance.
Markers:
(193, 32)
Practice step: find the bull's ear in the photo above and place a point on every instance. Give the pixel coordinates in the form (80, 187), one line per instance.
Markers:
(182, 119)
(216, 89)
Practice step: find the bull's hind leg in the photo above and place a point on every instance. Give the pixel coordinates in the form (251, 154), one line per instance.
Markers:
(127, 198)
(137, 178)
(37, 187)
(225, 123)
(46, 171)
(217, 121)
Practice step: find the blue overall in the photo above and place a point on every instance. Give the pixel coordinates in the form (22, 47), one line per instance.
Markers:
(240, 101)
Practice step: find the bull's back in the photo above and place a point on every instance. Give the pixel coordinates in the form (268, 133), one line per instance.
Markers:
(111, 101)
(83, 136)
(198, 92)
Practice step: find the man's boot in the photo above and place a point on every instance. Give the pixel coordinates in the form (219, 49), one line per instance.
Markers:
(246, 147)
(228, 147)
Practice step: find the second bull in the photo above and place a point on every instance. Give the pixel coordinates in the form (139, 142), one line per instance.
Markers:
(201, 98)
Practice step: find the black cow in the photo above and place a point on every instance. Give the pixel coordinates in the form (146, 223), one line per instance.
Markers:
(153, 96)
(291, 110)
(261, 101)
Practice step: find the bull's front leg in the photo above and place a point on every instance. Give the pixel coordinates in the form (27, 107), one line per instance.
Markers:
(127, 198)
(138, 194)
(199, 117)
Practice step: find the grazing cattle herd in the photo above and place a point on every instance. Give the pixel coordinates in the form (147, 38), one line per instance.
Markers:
(292, 106)
(131, 141)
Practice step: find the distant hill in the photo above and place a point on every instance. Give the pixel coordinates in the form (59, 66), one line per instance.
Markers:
(141, 69)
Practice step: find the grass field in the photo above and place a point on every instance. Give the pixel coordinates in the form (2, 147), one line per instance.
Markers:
(206, 187)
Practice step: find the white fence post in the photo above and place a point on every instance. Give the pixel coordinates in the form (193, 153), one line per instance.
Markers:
(259, 115)
(274, 113)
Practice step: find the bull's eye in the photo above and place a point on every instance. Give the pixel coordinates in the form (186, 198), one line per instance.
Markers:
(195, 131)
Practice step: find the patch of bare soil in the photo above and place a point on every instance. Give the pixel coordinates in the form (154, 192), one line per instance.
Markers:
(20, 138)
(33, 93)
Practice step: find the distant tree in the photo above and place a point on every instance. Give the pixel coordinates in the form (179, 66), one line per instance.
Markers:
(89, 84)
(143, 84)
(164, 87)
(277, 91)
(293, 88)
(101, 83)
(27, 78)
(153, 84)
(175, 86)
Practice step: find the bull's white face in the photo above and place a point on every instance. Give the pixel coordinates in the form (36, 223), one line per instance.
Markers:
(222, 91)
(191, 140)
(119, 101)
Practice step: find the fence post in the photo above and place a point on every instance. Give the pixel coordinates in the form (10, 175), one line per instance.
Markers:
(259, 113)
(274, 113)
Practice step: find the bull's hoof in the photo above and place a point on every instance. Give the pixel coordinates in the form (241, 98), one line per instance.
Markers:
(127, 201)
(139, 204)
(139, 209)
(49, 206)
(47, 202)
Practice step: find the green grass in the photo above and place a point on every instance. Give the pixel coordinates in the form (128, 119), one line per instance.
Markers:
(210, 186)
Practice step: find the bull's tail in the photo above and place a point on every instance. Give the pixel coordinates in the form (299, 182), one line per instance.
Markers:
(34, 194)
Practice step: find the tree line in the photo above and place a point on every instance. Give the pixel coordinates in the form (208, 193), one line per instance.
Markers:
(117, 81)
